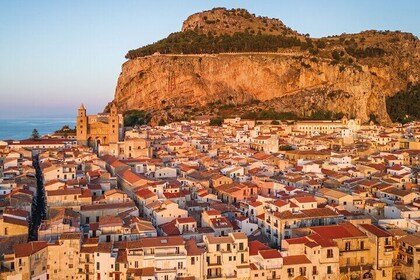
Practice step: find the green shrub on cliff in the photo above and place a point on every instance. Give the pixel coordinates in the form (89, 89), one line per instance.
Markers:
(405, 105)
(191, 42)
(136, 117)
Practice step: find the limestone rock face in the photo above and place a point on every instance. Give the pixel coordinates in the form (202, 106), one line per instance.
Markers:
(156, 82)
(351, 73)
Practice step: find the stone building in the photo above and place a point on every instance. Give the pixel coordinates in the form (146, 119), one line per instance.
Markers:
(100, 129)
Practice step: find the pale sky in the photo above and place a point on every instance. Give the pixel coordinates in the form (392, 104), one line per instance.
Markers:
(56, 54)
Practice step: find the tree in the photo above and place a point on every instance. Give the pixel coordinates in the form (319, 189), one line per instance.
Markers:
(336, 55)
(35, 134)
(216, 122)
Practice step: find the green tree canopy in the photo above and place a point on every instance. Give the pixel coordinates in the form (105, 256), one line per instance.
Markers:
(35, 134)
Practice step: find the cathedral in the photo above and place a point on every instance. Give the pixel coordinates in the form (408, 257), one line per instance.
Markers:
(100, 129)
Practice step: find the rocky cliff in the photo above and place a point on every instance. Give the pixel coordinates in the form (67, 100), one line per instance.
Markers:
(351, 74)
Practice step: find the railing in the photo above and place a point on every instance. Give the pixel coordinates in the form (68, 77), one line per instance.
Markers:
(354, 268)
(214, 263)
(354, 250)
(213, 276)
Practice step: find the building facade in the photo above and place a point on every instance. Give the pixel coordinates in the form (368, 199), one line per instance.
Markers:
(100, 129)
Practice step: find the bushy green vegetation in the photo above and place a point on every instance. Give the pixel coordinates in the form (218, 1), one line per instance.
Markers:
(35, 134)
(191, 42)
(66, 129)
(324, 115)
(136, 117)
(269, 114)
(405, 105)
(366, 52)
(285, 148)
(216, 122)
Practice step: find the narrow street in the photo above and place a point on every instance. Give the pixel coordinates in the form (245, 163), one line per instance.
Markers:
(38, 206)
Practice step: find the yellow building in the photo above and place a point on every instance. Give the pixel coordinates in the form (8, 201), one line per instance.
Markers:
(409, 256)
(227, 256)
(95, 130)
(318, 127)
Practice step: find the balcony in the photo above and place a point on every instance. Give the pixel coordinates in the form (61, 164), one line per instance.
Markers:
(213, 264)
(408, 250)
(388, 250)
(355, 268)
(214, 276)
(353, 250)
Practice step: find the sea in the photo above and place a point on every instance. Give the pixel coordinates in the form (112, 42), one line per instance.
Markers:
(18, 129)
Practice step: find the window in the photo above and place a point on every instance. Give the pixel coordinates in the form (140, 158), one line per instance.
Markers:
(362, 260)
(329, 270)
(362, 245)
(302, 271)
(180, 265)
(192, 260)
(347, 246)
(97, 265)
(218, 247)
(290, 272)
(241, 246)
(330, 253)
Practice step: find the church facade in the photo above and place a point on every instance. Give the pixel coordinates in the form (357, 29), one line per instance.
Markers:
(100, 129)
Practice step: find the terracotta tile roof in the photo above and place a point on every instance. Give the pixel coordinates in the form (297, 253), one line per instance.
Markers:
(69, 191)
(255, 246)
(16, 212)
(109, 221)
(71, 235)
(107, 206)
(130, 176)
(305, 199)
(192, 249)
(185, 220)
(15, 221)
(212, 212)
(166, 241)
(27, 249)
(170, 229)
(122, 256)
(345, 230)
(375, 230)
(270, 254)
(293, 260)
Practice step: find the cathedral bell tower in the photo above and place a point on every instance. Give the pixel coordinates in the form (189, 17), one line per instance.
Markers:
(81, 126)
(114, 125)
